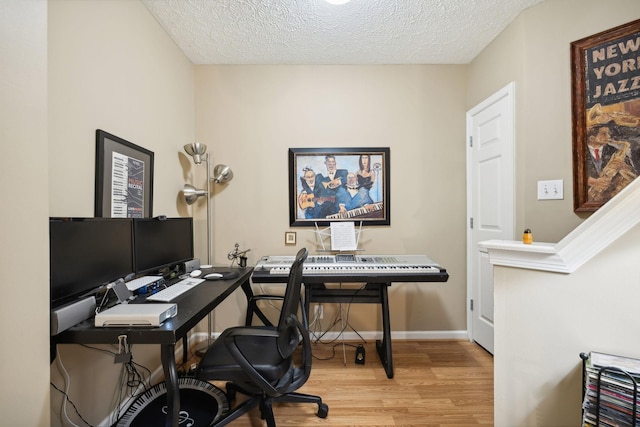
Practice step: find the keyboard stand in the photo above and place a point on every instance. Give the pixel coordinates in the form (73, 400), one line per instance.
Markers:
(378, 275)
(372, 293)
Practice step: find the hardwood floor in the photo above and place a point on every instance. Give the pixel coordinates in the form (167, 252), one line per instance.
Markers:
(436, 383)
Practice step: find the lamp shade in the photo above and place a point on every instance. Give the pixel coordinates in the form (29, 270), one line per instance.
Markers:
(191, 193)
(222, 174)
(196, 150)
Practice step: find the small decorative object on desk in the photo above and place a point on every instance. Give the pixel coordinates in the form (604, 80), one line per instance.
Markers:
(236, 253)
(527, 237)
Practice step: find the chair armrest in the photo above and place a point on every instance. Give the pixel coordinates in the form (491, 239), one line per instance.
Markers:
(230, 342)
(250, 331)
(267, 297)
(306, 344)
(252, 301)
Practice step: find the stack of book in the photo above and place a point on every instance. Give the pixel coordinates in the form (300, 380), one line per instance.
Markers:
(611, 391)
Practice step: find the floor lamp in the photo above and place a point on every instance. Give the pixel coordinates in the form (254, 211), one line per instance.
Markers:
(221, 174)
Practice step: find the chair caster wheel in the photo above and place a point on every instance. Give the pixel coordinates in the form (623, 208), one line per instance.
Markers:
(323, 410)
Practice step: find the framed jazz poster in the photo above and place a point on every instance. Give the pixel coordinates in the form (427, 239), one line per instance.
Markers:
(605, 114)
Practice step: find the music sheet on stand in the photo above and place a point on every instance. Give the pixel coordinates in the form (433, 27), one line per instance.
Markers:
(343, 236)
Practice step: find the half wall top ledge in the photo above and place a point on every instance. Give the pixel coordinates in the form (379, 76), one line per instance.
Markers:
(597, 232)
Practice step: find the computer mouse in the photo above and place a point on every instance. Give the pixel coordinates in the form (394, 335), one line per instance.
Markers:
(213, 276)
(195, 273)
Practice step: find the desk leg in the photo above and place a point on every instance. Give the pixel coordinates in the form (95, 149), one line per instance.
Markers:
(248, 293)
(167, 353)
(384, 347)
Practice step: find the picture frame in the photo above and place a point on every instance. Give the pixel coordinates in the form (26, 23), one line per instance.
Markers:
(290, 238)
(124, 178)
(605, 111)
(358, 191)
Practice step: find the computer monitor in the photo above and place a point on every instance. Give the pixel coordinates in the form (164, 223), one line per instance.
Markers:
(161, 243)
(85, 253)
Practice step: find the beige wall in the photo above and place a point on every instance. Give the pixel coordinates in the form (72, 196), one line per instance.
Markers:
(111, 67)
(251, 115)
(24, 254)
(544, 320)
(534, 51)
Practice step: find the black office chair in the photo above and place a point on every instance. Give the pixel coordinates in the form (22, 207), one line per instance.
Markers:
(253, 309)
(259, 361)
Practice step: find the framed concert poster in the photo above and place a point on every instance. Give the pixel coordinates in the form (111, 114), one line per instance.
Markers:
(124, 178)
(339, 184)
(606, 114)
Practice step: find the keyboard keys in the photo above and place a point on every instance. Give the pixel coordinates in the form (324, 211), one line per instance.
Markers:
(175, 290)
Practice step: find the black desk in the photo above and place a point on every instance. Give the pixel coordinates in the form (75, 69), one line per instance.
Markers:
(193, 306)
(375, 291)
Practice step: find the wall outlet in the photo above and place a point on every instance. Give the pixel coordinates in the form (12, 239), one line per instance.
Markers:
(319, 311)
(551, 190)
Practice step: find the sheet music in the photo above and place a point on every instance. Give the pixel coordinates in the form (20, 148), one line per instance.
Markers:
(343, 236)
(119, 175)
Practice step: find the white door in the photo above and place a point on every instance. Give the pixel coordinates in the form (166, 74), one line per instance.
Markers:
(490, 202)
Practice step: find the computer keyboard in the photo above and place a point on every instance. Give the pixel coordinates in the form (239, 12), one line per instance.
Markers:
(175, 290)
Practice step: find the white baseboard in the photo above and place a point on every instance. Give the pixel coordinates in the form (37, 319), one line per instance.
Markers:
(375, 335)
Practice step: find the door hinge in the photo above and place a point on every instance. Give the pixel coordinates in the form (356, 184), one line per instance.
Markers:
(470, 141)
(471, 305)
(471, 223)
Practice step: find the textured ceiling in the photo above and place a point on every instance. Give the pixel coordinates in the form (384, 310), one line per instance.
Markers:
(316, 32)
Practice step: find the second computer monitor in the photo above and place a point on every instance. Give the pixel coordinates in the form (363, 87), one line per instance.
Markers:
(161, 243)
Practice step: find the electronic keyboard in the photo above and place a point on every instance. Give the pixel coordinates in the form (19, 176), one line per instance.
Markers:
(354, 268)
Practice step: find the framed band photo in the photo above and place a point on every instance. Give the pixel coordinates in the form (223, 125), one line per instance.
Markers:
(339, 184)
(606, 114)
(124, 178)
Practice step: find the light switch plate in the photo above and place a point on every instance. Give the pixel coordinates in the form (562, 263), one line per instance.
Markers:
(551, 190)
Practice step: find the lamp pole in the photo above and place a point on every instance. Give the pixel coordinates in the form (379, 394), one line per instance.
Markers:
(209, 316)
(197, 150)
(208, 210)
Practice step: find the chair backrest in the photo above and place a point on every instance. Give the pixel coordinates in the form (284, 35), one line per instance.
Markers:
(288, 333)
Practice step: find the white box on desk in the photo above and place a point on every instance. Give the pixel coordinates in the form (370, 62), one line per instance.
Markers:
(136, 315)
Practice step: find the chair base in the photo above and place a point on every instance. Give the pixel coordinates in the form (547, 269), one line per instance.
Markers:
(265, 404)
(295, 397)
